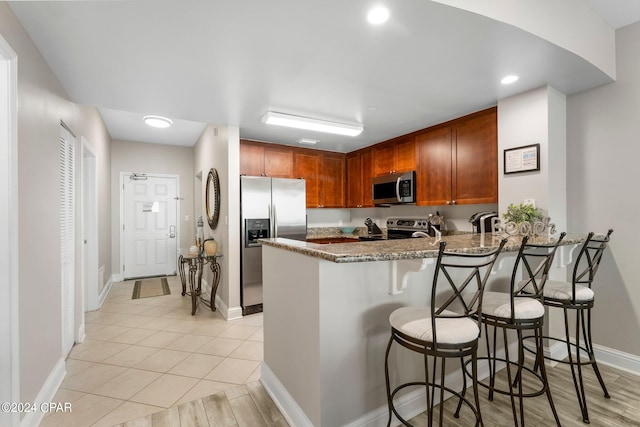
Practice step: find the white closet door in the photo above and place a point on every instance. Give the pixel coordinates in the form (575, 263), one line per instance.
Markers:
(67, 235)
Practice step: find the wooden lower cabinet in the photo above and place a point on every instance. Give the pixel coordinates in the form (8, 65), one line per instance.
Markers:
(458, 164)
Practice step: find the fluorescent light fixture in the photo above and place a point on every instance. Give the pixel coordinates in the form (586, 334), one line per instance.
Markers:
(509, 79)
(157, 121)
(378, 15)
(307, 123)
(308, 141)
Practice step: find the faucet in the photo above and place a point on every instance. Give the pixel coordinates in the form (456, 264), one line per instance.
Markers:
(372, 228)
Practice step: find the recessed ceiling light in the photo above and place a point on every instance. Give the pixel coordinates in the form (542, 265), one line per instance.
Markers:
(378, 15)
(509, 79)
(157, 121)
(279, 119)
(308, 141)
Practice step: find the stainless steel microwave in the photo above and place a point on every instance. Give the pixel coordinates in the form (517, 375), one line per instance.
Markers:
(394, 188)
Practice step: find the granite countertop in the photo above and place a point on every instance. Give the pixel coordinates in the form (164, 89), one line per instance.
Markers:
(399, 249)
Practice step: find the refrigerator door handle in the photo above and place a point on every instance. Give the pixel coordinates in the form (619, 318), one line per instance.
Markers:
(275, 221)
(270, 208)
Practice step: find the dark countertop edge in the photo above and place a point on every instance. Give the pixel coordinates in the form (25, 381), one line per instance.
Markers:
(376, 249)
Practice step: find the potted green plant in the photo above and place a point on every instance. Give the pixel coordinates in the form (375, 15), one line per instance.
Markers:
(523, 217)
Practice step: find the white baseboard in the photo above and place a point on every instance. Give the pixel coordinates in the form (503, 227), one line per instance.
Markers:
(604, 355)
(117, 277)
(105, 291)
(81, 334)
(409, 405)
(46, 395)
(232, 313)
(294, 415)
(617, 359)
(414, 403)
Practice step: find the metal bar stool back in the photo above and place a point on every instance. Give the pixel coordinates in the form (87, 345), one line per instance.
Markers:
(522, 313)
(446, 328)
(577, 296)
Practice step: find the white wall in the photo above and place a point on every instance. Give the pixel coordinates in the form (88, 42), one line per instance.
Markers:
(535, 117)
(456, 217)
(219, 148)
(570, 24)
(43, 103)
(602, 160)
(127, 156)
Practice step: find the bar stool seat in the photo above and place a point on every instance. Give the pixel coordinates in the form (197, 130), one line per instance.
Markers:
(416, 323)
(498, 304)
(515, 311)
(577, 297)
(448, 328)
(563, 291)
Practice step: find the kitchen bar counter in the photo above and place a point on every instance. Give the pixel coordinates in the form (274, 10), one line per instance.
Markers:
(405, 249)
(326, 321)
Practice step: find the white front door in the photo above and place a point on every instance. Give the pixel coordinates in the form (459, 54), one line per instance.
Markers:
(149, 222)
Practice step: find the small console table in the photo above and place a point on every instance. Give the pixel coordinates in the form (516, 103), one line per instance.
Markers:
(195, 264)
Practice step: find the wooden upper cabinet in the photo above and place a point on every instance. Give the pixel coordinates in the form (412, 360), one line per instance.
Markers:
(251, 159)
(458, 164)
(260, 159)
(307, 166)
(324, 174)
(332, 181)
(434, 167)
(405, 155)
(395, 156)
(476, 160)
(359, 174)
(278, 162)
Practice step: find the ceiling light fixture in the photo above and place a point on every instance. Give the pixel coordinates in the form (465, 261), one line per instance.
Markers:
(298, 122)
(509, 79)
(378, 15)
(157, 121)
(308, 141)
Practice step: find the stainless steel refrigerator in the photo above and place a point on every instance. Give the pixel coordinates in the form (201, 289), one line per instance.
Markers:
(269, 207)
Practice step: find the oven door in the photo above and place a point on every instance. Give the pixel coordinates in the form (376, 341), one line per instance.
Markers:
(394, 233)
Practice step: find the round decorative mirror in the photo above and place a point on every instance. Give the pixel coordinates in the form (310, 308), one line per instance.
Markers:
(212, 198)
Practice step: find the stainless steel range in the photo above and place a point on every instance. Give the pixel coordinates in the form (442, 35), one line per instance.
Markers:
(403, 228)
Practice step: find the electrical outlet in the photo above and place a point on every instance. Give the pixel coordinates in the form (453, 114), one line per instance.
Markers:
(530, 202)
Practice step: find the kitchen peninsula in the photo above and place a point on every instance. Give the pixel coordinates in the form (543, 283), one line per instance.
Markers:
(326, 320)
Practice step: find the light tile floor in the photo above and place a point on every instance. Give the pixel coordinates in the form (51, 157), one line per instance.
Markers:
(143, 356)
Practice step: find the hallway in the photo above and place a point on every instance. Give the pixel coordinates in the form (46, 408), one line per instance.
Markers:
(145, 355)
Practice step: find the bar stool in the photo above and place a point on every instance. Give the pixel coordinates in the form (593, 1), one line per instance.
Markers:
(520, 313)
(578, 296)
(446, 328)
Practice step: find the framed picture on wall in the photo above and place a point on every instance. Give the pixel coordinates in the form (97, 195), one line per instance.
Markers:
(522, 159)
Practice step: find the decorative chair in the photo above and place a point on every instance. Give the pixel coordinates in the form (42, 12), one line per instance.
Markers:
(448, 328)
(516, 311)
(578, 296)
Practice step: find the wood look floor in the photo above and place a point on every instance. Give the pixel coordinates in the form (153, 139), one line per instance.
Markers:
(248, 405)
(253, 407)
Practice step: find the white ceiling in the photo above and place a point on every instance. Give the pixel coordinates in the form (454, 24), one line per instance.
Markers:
(227, 62)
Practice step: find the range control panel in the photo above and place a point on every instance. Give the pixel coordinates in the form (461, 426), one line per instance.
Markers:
(415, 224)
